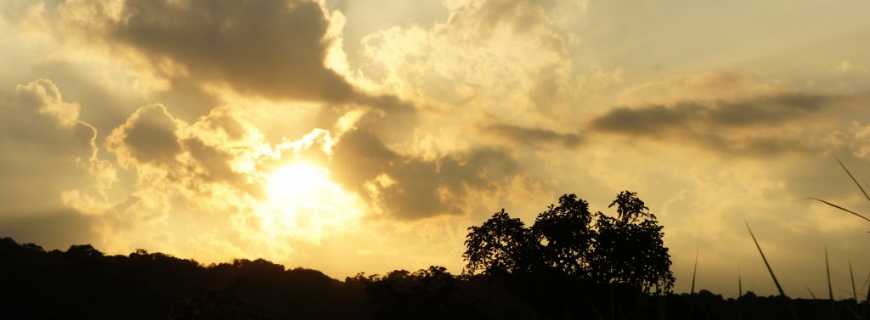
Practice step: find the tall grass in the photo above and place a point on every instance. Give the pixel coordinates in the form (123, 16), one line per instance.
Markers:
(860, 216)
(867, 299)
(830, 287)
(851, 176)
(812, 295)
(828, 273)
(739, 294)
(766, 264)
(860, 187)
(852, 277)
(694, 272)
(790, 306)
(842, 209)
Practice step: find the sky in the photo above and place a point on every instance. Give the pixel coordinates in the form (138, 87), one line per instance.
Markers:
(368, 135)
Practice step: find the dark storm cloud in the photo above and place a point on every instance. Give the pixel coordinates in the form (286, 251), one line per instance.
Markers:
(533, 136)
(747, 126)
(417, 187)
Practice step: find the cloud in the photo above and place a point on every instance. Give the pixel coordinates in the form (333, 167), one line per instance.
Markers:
(753, 126)
(274, 49)
(656, 119)
(148, 136)
(534, 137)
(195, 158)
(44, 96)
(516, 16)
(411, 187)
(271, 48)
(47, 148)
(704, 86)
(508, 42)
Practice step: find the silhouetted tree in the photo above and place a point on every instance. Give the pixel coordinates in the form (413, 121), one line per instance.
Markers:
(629, 248)
(500, 245)
(564, 234)
(83, 251)
(626, 249)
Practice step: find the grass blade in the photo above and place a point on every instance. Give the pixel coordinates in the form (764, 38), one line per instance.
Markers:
(842, 208)
(867, 301)
(867, 284)
(766, 264)
(828, 273)
(853, 179)
(739, 294)
(852, 277)
(694, 272)
(830, 287)
(866, 281)
(811, 293)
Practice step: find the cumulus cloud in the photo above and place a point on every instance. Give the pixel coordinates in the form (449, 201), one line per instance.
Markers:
(54, 179)
(44, 96)
(195, 158)
(273, 49)
(276, 50)
(47, 148)
(412, 187)
(506, 42)
(206, 177)
(520, 16)
(148, 136)
(501, 90)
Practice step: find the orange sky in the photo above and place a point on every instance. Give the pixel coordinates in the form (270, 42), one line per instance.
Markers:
(352, 136)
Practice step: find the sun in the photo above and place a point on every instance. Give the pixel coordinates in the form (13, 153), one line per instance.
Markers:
(304, 202)
(296, 182)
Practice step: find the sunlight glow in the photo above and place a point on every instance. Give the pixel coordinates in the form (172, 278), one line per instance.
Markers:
(304, 203)
(296, 181)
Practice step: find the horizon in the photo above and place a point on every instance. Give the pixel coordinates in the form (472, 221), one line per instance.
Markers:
(367, 136)
(378, 275)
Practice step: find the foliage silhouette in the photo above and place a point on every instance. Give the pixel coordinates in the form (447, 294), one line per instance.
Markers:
(500, 245)
(551, 270)
(564, 233)
(630, 247)
(626, 249)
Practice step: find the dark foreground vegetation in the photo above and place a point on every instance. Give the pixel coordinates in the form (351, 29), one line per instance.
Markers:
(82, 283)
(570, 264)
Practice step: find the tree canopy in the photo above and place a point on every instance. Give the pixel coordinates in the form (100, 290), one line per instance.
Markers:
(624, 249)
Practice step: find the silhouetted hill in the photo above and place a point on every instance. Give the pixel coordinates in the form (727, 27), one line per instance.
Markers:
(83, 283)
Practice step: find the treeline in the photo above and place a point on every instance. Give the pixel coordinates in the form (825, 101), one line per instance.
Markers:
(569, 264)
(82, 283)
